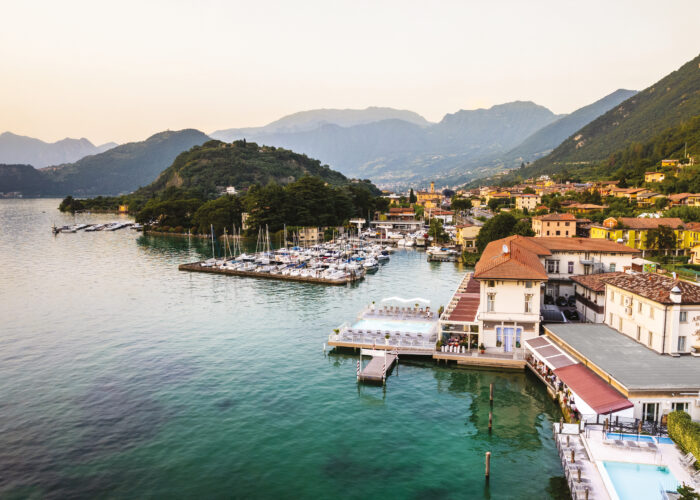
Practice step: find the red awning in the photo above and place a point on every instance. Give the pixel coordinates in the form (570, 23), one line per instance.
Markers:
(594, 391)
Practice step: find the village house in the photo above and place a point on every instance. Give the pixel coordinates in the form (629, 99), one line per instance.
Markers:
(527, 201)
(633, 231)
(397, 219)
(590, 296)
(446, 216)
(648, 199)
(561, 225)
(654, 176)
(465, 236)
(584, 208)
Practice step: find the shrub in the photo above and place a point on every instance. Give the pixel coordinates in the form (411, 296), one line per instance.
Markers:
(179, 229)
(165, 229)
(684, 432)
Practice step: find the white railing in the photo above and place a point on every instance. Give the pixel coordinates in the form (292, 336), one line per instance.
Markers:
(378, 338)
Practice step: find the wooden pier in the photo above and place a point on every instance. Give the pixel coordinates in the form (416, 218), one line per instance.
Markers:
(196, 267)
(377, 370)
(443, 258)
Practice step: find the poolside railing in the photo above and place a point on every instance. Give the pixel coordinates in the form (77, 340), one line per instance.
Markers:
(403, 340)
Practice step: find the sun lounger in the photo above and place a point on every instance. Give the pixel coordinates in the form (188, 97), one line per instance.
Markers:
(632, 445)
(652, 446)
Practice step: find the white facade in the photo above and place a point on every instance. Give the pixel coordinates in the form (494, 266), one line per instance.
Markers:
(561, 265)
(664, 328)
(529, 201)
(509, 312)
(593, 309)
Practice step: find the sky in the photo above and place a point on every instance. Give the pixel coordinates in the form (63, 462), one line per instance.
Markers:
(124, 70)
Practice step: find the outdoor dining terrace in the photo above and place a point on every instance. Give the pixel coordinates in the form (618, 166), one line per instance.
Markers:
(379, 338)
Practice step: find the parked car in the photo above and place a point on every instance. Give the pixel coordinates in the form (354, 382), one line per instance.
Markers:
(548, 299)
(571, 315)
(561, 301)
(572, 301)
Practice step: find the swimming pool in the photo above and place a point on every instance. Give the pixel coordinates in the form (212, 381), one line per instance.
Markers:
(638, 481)
(641, 437)
(394, 325)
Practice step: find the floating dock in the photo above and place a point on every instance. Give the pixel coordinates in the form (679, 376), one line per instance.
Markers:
(197, 267)
(379, 367)
(432, 257)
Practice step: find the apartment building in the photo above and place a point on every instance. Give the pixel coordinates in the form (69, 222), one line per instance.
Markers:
(559, 225)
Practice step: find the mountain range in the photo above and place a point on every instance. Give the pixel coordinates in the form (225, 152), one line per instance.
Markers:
(666, 109)
(121, 169)
(21, 149)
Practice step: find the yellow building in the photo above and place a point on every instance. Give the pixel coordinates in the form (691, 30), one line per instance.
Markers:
(561, 225)
(465, 236)
(654, 176)
(670, 163)
(123, 209)
(429, 199)
(633, 231)
(529, 201)
(584, 208)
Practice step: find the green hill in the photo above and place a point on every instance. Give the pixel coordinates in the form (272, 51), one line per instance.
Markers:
(665, 104)
(124, 168)
(217, 164)
(664, 109)
(23, 178)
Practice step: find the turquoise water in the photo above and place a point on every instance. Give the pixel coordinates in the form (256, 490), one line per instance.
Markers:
(394, 325)
(122, 377)
(640, 481)
(641, 437)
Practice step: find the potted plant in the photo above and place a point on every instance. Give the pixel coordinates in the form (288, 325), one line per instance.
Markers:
(387, 336)
(482, 348)
(499, 343)
(517, 344)
(336, 331)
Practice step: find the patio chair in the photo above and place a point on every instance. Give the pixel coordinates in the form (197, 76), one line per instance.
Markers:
(632, 445)
(688, 460)
(652, 446)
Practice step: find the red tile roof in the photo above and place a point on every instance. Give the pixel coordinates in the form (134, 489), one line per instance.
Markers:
(467, 303)
(556, 217)
(521, 261)
(517, 263)
(650, 222)
(594, 391)
(595, 282)
(657, 287)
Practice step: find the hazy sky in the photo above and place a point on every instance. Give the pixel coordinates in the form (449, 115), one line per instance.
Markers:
(123, 70)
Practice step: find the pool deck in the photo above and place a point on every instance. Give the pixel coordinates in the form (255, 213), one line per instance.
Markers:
(374, 372)
(591, 441)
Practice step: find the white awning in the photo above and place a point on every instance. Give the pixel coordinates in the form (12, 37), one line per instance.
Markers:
(406, 301)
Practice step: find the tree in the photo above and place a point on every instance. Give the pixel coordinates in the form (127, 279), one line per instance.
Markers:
(222, 213)
(660, 203)
(528, 190)
(523, 228)
(459, 203)
(437, 232)
(661, 238)
(412, 197)
(500, 226)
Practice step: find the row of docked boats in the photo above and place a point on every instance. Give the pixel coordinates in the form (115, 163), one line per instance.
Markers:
(89, 228)
(337, 261)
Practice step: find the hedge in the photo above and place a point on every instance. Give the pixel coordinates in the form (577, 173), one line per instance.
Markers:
(684, 432)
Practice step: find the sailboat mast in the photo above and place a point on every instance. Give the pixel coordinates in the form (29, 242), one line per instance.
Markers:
(213, 254)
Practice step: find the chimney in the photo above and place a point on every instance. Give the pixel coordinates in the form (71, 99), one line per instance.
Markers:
(675, 295)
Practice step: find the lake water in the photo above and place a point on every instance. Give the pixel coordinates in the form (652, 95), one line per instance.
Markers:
(122, 377)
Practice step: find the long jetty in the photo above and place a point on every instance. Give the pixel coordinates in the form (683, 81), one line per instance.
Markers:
(197, 267)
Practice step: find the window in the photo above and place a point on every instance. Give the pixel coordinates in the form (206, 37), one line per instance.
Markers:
(499, 337)
(612, 296)
(651, 312)
(491, 302)
(558, 232)
(651, 339)
(571, 267)
(528, 284)
(681, 344)
(639, 333)
(528, 302)
(650, 412)
(619, 323)
(547, 233)
(553, 266)
(610, 319)
(684, 316)
(612, 267)
(566, 224)
(639, 307)
(679, 407)
(492, 283)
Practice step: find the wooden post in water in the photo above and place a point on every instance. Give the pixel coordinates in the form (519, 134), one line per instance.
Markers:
(578, 475)
(573, 459)
(491, 393)
(561, 425)
(586, 493)
(567, 440)
(490, 421)
(488, 465)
